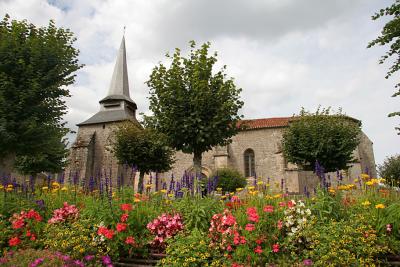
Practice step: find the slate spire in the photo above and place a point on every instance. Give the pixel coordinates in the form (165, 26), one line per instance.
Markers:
(119, 82)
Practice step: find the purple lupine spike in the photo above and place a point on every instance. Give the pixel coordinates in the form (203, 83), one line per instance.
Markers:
(32, 183)
(172, 184)
(255, 179)
(268, 180)
(91, 184)
(164, 186)
(151, 179)
(40, 203)
(282, 184)
(341, 176)
(118, 182)
(76, 179)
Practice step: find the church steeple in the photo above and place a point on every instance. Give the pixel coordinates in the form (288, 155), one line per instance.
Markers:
(117, 105)
(119, 83)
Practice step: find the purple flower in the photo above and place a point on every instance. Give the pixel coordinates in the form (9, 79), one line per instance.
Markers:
(79, 263)
(106, 260)
(307, 262)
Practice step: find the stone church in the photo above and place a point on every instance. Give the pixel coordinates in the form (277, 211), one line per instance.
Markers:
(256, 151)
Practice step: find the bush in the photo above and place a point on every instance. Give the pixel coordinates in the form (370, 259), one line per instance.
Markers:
(190, 250)
(390, 170)
(230, 179)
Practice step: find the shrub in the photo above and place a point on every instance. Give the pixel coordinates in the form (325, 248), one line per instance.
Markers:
(190, 250)
(390, 170)
(230, 179)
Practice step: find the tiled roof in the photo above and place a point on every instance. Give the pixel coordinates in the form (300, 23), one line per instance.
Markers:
(265, 123)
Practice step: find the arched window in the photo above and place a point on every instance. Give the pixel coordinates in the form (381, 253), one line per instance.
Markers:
(249, 163)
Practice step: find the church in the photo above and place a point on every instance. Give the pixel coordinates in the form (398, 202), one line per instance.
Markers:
(255, 151)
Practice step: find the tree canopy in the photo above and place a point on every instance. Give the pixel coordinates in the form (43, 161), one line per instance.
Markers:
(146, 148)
(195, 107)
(327, 138)
(36, 65)
(390, 170)
(390, 35)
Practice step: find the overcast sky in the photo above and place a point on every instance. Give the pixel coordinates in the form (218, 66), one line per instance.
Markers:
(284, 54)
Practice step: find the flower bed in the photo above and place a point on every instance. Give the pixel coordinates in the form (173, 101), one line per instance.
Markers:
(354, 225)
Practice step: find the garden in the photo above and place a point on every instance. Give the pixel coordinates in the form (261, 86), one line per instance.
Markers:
(338, 224)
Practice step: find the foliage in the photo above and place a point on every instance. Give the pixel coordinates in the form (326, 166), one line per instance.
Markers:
(147, 149)
(353, 242)
(390, 35)
(327, 138)
(36, 65)
(190, 250)
(196, 108)
(390, 219)
(390, 170)
(197, 213)
(76, 239)
(230, 179)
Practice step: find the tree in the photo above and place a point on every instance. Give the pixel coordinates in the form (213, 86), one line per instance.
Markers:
(390, 170)
(147, 149)
(36, 65)
(194, 107)
(390, 35)
(327, 138)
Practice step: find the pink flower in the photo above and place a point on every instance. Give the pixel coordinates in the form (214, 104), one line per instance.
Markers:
(64, 213)
(249, 227)
(291, 204)
(280, 224)
(124, 217)
(282, 204)
(258, 250)
(269, 208)
(230, 220)
(130, 240)
(275, 248)
(252, 214)
(229, 248)
(388, 228)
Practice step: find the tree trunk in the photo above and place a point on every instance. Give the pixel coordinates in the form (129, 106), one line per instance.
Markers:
(197, 164)
(140, 182)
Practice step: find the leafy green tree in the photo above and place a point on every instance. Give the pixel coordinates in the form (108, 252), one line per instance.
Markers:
(328, 138)
(195, 107)
(390, 35)
(145, 148)
(36, 65)
(390, 170)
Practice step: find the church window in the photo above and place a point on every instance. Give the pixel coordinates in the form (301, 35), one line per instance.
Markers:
(104, 126)
(249, 163)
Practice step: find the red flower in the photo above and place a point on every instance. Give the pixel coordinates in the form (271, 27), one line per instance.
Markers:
(258, 250)
(121, 227)
(275, 248)
(130, 240)
(34, 215)
(249, 227)
(229, 248)
(18, 224)
(236, 265)
(109, 234)
(14, 241)
(126, 207)
(102, 230)
(269, 208)
(290, 204)
(259, 241)
(124, 217)
(282, 204)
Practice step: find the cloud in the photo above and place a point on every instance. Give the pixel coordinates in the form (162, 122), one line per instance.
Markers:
(284, 54)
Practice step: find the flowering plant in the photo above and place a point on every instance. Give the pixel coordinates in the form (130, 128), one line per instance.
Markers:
(164, 226)
(25, 227)
(67, 212)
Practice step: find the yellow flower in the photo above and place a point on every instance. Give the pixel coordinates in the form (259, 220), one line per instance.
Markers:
(163, 191)
(171, 195)
(223, 197)
(366, 203)
(64, 188)
(356, 180)
(1, 187)
(250, 188)
(277, 196)
(268, 185)
(45, 188)
(219, 189)
(331, 190)
(260, 182)
(55, 184)
(10, 186)
(9, 189)
(239, 189)
(136, 199)
(380, 206)
(148, 186)
(364, 176)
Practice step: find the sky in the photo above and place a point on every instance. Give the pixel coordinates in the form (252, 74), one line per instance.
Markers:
(284, 54)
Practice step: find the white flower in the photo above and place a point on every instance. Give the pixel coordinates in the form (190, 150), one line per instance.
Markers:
(308, 211)
(293, 229)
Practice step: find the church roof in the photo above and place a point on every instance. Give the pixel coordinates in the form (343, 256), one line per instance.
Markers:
(265, 123)
(107, 116)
